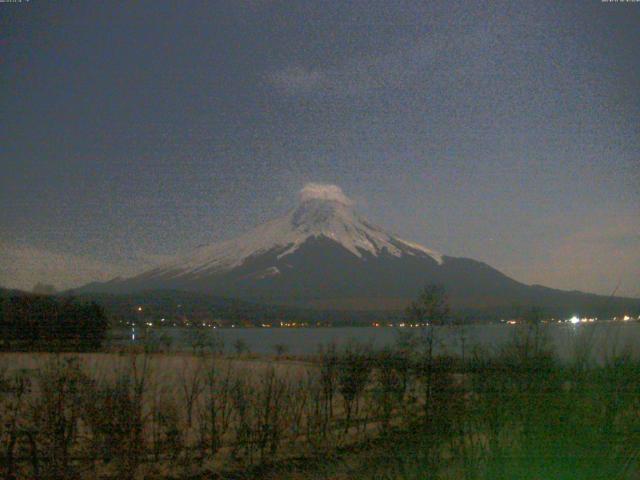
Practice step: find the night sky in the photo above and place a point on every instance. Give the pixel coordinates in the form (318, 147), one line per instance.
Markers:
(506, 132)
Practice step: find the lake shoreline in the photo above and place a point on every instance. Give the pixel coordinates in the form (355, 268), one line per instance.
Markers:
(604, 338)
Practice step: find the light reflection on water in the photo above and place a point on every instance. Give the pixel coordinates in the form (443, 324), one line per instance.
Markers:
(600, 339)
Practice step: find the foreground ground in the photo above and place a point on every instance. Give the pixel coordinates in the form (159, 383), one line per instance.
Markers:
(397, 414)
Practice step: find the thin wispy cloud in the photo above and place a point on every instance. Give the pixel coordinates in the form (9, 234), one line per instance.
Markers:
(297, 79)
(356, 77)
(22, 266)
(591, 259)
(426, 59)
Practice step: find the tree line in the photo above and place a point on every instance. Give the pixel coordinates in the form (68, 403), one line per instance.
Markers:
(43, 322)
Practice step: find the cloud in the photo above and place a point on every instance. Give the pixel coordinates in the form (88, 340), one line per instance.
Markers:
(23, 266)
(438, 57)
(596, 259)
(354, 77)
(324, 191)
(297, 79)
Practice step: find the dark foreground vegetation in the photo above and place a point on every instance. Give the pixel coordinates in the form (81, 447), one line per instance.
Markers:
(43, 322)
(397, 413)
(400, 413)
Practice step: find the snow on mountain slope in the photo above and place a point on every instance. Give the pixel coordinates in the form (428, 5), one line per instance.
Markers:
(323, 255)
(324, 211)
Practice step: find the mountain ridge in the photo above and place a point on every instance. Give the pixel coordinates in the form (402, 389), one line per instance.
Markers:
(322, 254)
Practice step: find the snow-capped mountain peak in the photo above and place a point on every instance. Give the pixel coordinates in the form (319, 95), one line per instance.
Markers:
(324, 211)
(324, 191)
(323, 255)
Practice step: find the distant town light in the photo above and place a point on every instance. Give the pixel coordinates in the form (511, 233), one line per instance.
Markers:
(574, 320)
(139, 309)
(626, 318)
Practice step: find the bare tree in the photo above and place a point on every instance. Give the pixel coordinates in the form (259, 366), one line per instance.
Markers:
(217, 409)
(191, 384)
(429, 310)
(354, 370)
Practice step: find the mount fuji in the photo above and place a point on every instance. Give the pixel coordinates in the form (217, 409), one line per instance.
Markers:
(322, 254)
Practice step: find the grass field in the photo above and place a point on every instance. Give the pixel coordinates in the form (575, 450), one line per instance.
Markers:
(400, 413)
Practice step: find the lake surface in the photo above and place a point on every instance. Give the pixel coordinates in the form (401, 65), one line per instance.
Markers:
(602, 339)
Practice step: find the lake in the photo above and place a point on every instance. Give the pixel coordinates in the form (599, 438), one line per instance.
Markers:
(602, 339)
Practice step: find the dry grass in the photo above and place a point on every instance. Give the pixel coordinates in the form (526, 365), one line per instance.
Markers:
(399, 413)
(178, 414)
